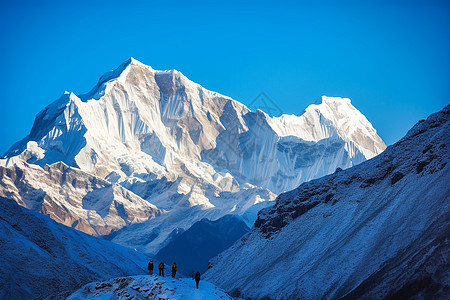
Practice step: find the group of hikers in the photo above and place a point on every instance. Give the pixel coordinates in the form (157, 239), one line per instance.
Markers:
(173, 268)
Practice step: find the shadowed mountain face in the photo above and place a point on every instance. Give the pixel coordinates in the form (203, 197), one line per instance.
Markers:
(157, 136)
(192, 249)
(377, 230)
(41, 258)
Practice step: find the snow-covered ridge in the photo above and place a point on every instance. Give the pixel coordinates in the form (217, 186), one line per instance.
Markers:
(177, 145)
(149, 287)
(377, 230)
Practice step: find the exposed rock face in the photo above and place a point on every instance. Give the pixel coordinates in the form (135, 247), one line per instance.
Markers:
(73, 197)
(377, 230)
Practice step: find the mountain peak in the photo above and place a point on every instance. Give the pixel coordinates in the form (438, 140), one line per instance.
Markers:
(116, 73)
(133, 61)
(326, 100)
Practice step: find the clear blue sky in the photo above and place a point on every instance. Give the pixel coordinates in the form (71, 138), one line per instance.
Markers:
(390, 57)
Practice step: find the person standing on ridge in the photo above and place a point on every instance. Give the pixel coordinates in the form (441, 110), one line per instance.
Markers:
(161, 269)
(150, 267)
(197, 278)
(174, 269)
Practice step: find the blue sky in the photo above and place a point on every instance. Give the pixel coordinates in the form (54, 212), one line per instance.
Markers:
(390, 57)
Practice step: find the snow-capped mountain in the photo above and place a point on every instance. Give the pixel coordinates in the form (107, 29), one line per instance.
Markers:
(377, 230)
(42, 259)
(189, 151)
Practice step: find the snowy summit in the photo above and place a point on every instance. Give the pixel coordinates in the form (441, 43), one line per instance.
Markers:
(156, 137)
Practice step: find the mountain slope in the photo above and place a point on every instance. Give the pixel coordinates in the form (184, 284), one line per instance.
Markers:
(177, 145)
(377, 230)
(41, 258)
(73, 197)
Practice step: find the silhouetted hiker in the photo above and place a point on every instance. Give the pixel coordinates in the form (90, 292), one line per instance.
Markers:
(197, 278)
(161, 269)
(150, 267)
(174, 270)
